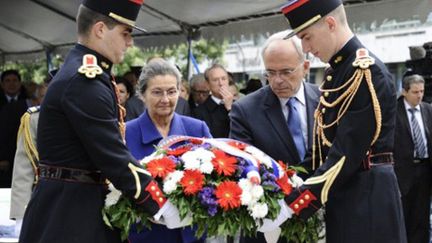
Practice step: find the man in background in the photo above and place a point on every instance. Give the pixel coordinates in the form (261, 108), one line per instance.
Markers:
(412, 152)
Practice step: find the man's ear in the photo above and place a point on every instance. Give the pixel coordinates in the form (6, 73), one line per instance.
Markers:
(98, 29)
(330, 22)
(404, 92)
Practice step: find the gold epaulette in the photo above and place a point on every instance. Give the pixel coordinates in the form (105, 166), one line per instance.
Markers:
(29, 146)
(90, 67)
(362, 63)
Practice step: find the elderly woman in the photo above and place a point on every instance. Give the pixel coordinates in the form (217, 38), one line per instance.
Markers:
(159, 86)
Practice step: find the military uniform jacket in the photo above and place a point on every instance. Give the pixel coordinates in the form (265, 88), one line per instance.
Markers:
(362, 204)
(78, 128)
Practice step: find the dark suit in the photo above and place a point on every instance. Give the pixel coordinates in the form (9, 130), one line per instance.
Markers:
(183, 107)
(215, 116)
(10, 115)
(414, 178)
(257, 119)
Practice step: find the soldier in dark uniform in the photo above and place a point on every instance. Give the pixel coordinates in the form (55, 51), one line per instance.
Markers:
(354, 130)
(80, 140)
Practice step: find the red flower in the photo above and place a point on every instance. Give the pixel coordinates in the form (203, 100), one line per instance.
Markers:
(228, 195)
(223, 163)
(284, 184)
(161, 167)
(179, 151)
(192, 182)
(290, 172)
(237, 144)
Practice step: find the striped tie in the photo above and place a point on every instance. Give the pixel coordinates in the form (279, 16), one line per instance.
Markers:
(419, 146)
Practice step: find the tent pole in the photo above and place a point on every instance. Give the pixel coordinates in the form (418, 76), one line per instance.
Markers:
(48, 53)
(189, 40)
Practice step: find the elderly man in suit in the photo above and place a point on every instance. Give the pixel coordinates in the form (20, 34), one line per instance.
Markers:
(278, 119)
(412, 151)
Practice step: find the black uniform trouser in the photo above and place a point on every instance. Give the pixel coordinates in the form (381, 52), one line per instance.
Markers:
(416, 205)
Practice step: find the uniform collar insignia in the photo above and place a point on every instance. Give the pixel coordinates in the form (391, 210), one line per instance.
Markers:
(90, 67)
(105, 65)
(363, 60)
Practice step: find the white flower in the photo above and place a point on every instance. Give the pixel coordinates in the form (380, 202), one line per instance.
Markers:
(151, 157)
(112, 197)
(259, 210)
(169, 187)
(171, 181)
(257, 192)
(246, 198)
(193, 159)
(245, 184)
(206, 168)
(174, 176)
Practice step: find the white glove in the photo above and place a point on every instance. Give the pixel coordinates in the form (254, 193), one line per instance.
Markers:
(284, 214)
(18, 224)
(273, 236)
(171, 217)
(296, 181)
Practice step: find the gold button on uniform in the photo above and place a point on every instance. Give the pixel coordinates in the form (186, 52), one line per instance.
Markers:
(152, 188)
(296, 206)
(301, 201)
(307, 197)
(323, 110)
(157, 193)
(160, 199)
(329, 78)
(326, 94)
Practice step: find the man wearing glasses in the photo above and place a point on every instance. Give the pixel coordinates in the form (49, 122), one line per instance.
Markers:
(278, 118)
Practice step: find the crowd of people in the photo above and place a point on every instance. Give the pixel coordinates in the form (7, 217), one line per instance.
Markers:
(367, 152)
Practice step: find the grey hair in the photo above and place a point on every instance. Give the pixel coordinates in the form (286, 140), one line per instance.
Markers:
(197, 78)
(412, 79)
(155, 68)
(280, 36)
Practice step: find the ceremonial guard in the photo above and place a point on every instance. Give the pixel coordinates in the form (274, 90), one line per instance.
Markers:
(80, 137)
(354, 131)
(25, 166)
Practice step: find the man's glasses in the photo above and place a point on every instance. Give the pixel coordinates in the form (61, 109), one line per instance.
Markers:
(157, 93)
(201, 92)
(283, 74)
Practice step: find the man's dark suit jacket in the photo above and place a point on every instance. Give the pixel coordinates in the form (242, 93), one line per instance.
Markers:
(215, 116)
(404, 145)
(183, 107)
(257, 119)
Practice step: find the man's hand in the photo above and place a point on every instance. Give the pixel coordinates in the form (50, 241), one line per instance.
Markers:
(284, 214)
(227, 97)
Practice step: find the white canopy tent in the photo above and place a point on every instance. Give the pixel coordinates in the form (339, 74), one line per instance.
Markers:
(33, 28)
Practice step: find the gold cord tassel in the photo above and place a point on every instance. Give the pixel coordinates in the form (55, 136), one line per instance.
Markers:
(29, 146)
(344, 100)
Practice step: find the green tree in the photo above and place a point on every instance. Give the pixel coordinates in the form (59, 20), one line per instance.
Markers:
(203, 50)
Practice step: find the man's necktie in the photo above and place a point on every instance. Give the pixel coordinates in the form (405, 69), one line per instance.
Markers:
(419, 146)
(294, 126)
